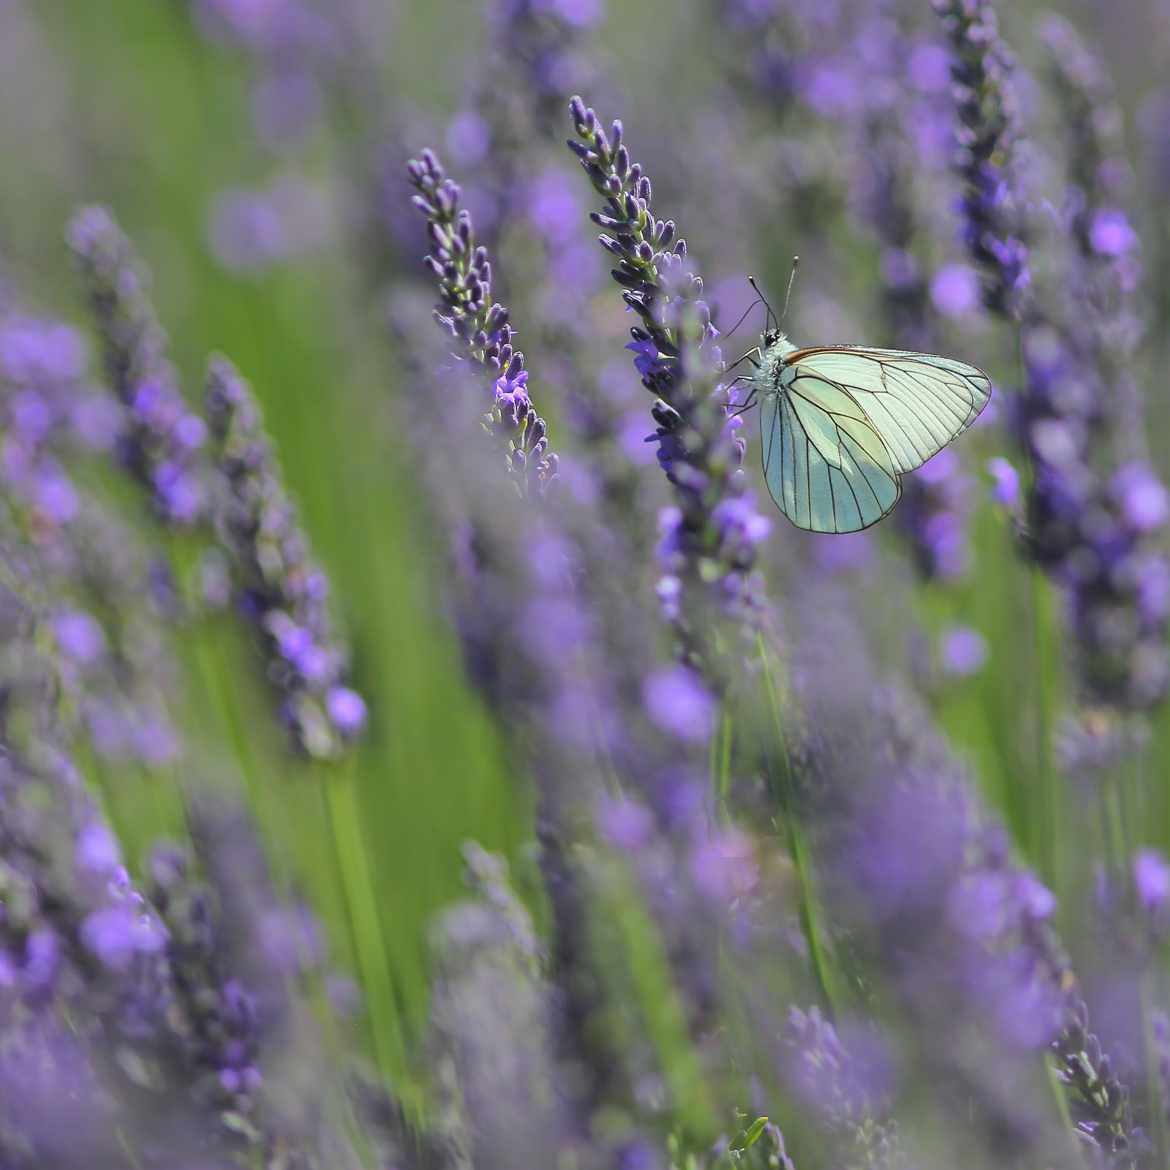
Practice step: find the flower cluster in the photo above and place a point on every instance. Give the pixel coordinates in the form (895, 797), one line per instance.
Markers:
(42, 363)
(161, 439)
(466, 310)
(491, 1046)
(1087, 527)
(710, 539)
(283, 591)
(74, 926)
(214, 1017)
(828, 1079)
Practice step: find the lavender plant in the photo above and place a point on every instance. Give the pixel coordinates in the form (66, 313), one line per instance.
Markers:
(283, 592)
(1087, 527)
(466, 311)
(162, 438)
(708, 541)
(549, 667)
(690, 983)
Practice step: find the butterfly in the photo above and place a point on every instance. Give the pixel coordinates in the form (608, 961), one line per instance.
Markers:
(841, 424)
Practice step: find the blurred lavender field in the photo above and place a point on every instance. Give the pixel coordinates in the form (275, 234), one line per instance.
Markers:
(423, 744)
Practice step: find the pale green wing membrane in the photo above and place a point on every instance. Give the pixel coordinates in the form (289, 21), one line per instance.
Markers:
(825, 465)
(916, 402)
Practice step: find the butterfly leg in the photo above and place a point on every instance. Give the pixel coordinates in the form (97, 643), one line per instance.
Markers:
(743, 357)
(743, 406)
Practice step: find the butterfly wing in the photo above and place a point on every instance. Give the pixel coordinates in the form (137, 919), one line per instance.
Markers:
(825, 465)
(916, 402)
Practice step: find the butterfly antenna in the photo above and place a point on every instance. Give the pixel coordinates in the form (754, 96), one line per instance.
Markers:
(791, 282)
(742, 319)
(771, 314)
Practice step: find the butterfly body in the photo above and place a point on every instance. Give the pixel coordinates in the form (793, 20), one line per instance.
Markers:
(840, 425)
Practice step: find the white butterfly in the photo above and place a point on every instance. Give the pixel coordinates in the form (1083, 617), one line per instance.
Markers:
(841, 424)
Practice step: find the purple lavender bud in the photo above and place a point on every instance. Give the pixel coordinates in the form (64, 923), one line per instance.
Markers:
(347, 710)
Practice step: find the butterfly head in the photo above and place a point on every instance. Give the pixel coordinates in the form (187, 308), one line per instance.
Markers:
(776, 343)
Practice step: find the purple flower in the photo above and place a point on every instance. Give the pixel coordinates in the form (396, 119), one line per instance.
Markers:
(831, 89)
(1005, 482)
(678, 702)
(955, 290)
(35, 352)
(739, 523)
(1110, 233)
(964, 651)
(347, 710)
(626, 823)
(80, 636)
(97, 849)
(1151, 879)
(118, 933)
(1144, 501)
(929, 68)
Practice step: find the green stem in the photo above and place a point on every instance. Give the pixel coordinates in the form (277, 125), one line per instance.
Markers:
(721, 762)
(780, 781)
(1060, 1097)
(1044, 817)
(342, 809)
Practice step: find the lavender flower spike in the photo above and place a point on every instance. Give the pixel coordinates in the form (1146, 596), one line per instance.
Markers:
(161, 438)
(1087, 529)
(467, 311)
(283, 591)
(986, 108)
(711, 538)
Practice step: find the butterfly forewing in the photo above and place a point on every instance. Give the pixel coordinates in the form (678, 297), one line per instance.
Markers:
(916, 402)
(825, 465)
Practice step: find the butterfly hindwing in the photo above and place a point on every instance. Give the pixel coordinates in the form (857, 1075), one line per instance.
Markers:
(825, 465)
(916, 402)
